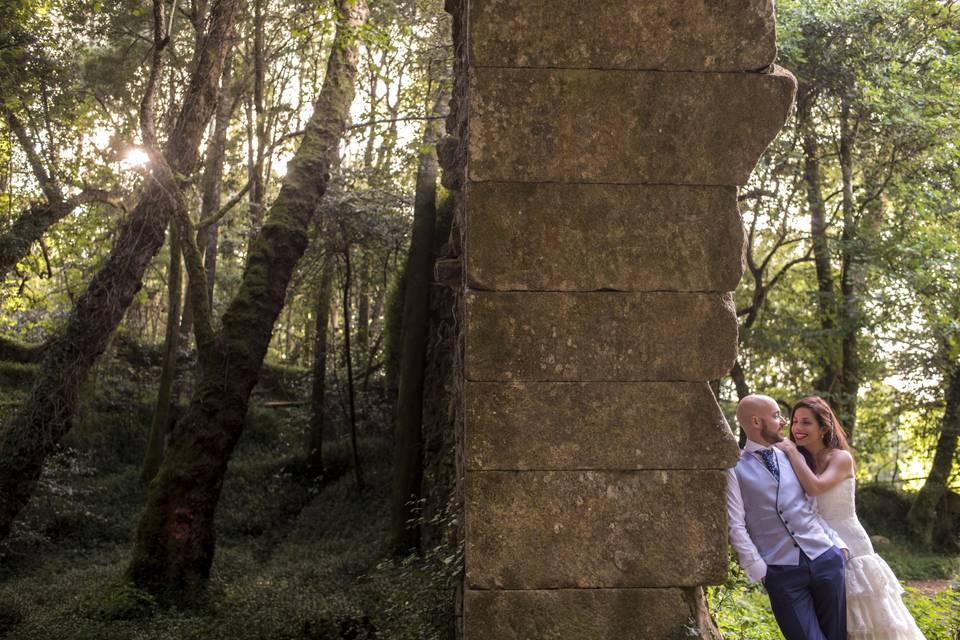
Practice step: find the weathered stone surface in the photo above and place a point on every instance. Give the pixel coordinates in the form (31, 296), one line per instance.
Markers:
(595, 425)
(693, 35)
(586, 529)
(629, 127)
(598, 336)
(578, 614)
(552, 237)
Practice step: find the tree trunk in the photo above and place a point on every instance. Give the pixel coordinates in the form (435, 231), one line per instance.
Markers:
(923, 514)
(408, 445)
(319, 388)
(850, 284)
(363, 312)
(374, 329)
(207, 237)
(348, 357)
(829, 357)
(175, 539)
(743, 390)
(257, 127)
(161, 414)
(34, 431)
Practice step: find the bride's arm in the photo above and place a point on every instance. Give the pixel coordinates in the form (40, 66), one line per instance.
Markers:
(839, 468)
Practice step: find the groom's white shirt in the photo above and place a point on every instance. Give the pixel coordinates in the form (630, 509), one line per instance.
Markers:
(747, 552)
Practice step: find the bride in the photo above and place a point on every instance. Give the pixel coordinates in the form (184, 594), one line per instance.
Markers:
(821, 458)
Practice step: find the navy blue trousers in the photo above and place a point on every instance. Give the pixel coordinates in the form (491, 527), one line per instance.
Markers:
(809, 600)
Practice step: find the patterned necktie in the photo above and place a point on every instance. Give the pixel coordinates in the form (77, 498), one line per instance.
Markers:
(770, 460)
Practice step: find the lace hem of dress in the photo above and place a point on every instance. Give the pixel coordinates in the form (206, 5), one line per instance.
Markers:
(870, 576)
(875, 608)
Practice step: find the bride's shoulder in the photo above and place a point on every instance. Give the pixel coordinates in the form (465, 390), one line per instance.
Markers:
(842, 459)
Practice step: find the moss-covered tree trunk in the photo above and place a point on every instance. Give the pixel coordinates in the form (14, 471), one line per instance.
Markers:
(408, 445)
(175, 539)
(34, 431)
(922, 517)
(441, 504)
(208, 234)
(161, 414)
(319, 387)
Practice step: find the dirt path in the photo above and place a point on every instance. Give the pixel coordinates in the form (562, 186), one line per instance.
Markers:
(929, 587)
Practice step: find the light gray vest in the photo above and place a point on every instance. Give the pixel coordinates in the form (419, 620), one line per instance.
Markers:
(779, 516)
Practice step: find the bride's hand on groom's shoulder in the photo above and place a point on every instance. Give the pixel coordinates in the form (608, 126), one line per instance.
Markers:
(787, 446)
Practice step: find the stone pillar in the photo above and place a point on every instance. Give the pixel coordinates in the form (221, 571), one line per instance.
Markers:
(598, 148)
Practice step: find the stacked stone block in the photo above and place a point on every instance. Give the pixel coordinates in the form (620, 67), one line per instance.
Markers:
(603, 146)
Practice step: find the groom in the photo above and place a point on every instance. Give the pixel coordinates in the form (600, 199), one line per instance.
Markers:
(778, 537)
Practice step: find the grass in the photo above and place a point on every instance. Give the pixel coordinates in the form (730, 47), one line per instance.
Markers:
(296, 558)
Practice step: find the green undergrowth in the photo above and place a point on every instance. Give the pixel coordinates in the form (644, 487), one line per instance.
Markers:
(916, 564)
(742, 610)
(297, 557)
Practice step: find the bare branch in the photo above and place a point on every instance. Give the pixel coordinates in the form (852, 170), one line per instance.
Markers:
(100, 196)
(225, 209)
(756, 194)
(781, 243)
(783, 270)
(886, 181)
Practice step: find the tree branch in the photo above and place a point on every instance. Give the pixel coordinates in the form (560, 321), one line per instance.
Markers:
(225, 209)
(783, 270)
(47, 184)
(203, 331)
(361, 125)
(148, 125)
(756, 194)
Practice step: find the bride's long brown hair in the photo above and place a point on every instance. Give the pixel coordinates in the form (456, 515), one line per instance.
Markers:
(831, 431)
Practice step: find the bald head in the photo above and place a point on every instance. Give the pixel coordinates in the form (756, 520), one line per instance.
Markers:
(759, 417)
(751, 406)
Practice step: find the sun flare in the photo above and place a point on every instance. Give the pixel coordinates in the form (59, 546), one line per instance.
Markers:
(136, 157)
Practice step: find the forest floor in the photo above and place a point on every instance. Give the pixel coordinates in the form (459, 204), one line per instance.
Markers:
(296, 558)
(929, 588)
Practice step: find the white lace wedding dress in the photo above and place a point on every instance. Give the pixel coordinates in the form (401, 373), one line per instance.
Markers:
(875, 609)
